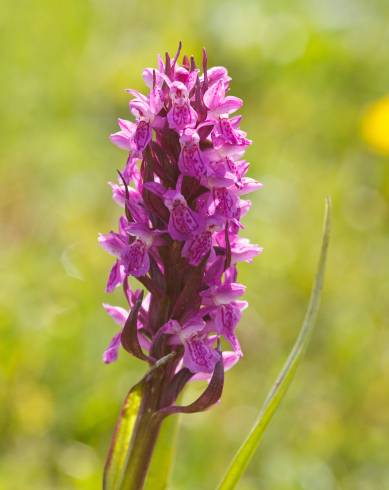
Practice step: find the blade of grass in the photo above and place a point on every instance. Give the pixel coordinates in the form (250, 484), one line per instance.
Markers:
(276, 394)
(118, 452)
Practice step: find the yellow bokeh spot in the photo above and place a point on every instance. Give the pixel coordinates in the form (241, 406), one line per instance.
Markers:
(375, 126)
(34, 408)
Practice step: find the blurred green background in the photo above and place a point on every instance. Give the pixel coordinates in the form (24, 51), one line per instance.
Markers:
(315, 77)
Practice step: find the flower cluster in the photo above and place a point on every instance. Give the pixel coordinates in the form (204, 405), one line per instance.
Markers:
(181, 192)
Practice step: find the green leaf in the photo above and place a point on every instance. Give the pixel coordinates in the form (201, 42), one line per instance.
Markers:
(159, 472)
(276, 394)
(118, 452)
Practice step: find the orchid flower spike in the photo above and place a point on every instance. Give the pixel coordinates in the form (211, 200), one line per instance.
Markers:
(180, 195)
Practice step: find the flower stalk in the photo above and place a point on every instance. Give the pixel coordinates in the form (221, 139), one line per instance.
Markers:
(144, 438)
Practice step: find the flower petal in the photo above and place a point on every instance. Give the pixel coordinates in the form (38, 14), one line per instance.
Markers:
(117, 313)
(113, 243)
(116, 276)
(214, 96)
(112, 351)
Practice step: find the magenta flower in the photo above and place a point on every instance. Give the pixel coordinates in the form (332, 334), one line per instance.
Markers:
(181, 115)
(192, 160)
(199, 354)
(124, 138)
(180, 191)
(183, 221)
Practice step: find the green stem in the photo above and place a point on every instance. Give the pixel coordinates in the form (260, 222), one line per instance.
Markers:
(145, 436)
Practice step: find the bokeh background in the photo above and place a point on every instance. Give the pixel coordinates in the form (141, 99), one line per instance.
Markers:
(315, 79)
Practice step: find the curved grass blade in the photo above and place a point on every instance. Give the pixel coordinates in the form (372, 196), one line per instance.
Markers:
(118, 452)
(276, 394)
(160, 469)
